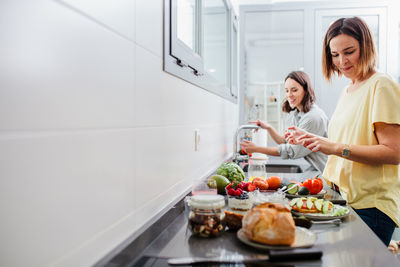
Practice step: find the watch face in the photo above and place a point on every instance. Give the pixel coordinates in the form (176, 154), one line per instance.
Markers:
(346, 152)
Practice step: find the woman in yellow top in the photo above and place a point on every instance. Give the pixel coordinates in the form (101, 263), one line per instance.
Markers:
(363, 144)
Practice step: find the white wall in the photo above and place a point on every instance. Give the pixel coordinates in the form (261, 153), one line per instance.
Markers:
(273, 63)
(95, 139)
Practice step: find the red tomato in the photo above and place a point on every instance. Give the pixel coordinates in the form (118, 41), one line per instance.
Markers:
(261, 185)
(307, 184)
(321, 183)
(314, 185)
(251, 187)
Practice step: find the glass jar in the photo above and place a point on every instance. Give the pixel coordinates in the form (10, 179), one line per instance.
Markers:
(207, 216)
(256, 168)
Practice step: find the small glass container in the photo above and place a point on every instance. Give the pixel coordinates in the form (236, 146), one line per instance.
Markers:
(207, 216)
(256, 168)
(269, 196)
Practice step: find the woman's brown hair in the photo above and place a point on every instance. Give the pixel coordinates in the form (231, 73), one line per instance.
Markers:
(309, 95)
(358, 29)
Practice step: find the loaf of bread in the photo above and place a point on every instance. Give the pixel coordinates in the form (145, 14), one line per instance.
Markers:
(269, 223)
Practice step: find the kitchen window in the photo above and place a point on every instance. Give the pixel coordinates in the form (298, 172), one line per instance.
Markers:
(200, 44)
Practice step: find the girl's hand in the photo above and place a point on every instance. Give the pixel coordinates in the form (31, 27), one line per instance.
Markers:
(262, 124)
(249, 147)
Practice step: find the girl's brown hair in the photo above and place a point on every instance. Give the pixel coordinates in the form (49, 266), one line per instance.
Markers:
(358, 29)
(309, 95)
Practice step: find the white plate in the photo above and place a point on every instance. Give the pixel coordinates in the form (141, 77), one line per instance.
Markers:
(319, 195)
(321, 216)
(304, 238)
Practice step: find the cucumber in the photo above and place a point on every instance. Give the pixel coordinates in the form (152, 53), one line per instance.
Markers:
(339, 211)
(325, 208)
(309, 203)
(299, 203)
(343, 211)
(318, 204)
(293, 202)
(293, 188)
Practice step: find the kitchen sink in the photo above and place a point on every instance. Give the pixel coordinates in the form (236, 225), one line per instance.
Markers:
(279, 168)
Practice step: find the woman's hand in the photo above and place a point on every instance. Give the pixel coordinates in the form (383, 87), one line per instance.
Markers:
(249, 147)
(262, 124)
(293, 133)
(315, 143)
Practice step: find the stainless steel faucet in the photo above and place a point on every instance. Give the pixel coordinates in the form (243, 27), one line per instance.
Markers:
(236, 155)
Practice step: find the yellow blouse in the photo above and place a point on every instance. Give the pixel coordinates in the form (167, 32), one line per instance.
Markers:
(352, 123)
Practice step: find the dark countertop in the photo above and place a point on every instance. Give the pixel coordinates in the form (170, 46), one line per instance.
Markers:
(350, 244)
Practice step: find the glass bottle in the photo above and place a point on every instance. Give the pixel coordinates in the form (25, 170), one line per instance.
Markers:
(256, 168)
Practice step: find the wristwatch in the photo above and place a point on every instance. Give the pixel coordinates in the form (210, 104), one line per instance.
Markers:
(346, 151)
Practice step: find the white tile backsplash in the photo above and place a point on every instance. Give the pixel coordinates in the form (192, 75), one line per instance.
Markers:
(160, 96)
(95, 138)
(149, 25)
(60, 70)
(57, 191)
(162, 160)
(117, 15)
(163, 99)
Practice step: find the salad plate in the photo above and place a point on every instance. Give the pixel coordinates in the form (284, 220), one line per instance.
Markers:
(338, 212)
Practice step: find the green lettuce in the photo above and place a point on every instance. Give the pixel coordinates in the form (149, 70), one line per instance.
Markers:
(232, 171)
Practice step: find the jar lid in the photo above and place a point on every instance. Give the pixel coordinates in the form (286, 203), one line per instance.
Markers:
(259, 156)
(258, 160)
(207, 201)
